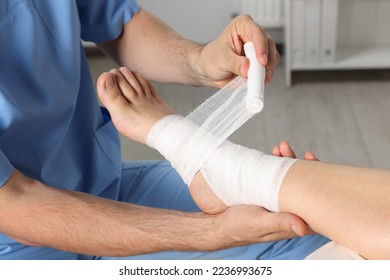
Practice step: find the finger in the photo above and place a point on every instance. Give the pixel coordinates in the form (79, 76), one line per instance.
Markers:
(282, 235)
(277, 236)
(285, 150)
(291, 223)
(249, 31)
(273, 59)
(309, 155)
(283, 225)
(239, 65)
(276, 151)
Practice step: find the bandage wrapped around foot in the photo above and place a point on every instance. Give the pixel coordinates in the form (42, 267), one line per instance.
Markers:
(236, 174)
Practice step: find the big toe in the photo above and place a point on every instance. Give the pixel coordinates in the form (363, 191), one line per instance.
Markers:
(110, 95)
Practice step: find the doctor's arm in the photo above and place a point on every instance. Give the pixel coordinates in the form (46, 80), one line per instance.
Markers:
(39, 215)
(148, 46)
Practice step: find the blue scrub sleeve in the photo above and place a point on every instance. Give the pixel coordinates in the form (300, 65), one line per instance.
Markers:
(6, 169)
(103, 20)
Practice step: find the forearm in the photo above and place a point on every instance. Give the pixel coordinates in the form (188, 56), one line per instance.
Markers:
(39, 215)
(148, 46)
(347, 204)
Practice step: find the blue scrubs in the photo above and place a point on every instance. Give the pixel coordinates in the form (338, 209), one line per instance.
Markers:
(52, 129)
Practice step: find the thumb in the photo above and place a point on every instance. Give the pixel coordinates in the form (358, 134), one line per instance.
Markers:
(294, 224)
(237, 64)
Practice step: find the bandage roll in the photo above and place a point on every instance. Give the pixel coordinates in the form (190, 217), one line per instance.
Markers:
(211, 123)
(255, 83)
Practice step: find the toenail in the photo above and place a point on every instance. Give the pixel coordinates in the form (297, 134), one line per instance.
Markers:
(109, 82)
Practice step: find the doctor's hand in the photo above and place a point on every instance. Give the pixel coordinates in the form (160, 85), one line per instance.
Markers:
(223, 59)
(248, 224)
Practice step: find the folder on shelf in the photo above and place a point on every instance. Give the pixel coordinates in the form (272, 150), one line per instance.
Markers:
(329, 30)
(313, 30)
(298, 31)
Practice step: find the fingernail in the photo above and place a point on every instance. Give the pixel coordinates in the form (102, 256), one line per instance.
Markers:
(265, 58)
(109, 82)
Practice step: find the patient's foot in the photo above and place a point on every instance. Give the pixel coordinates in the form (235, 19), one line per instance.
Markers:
(132, 101)
(135, 107)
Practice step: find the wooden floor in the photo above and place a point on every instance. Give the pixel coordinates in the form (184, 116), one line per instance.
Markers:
(342, 116)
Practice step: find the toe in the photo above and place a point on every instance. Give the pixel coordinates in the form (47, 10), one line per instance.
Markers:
(130, 83)
(146, 86)
(127, 89)
(110, 95)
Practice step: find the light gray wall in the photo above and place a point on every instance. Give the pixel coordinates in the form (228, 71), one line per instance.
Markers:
(197, 20)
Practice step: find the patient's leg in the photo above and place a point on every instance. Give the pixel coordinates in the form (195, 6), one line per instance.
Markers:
(347, 204)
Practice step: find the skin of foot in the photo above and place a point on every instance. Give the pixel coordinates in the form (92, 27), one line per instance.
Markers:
(132, 101)
(135, 106)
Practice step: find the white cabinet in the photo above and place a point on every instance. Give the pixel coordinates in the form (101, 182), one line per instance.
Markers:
(336, 35)
(268, 13)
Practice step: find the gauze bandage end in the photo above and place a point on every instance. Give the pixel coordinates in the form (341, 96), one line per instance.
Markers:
(255, 83)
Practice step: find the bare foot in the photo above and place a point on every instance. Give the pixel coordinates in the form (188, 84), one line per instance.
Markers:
(135, 107)
(132, 101)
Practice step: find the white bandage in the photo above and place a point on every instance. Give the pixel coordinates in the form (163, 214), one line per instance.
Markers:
(239, 175)
(236, 174)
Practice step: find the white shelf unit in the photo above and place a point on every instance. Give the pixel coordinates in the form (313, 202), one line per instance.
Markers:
(268, 13)
(361, 36)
